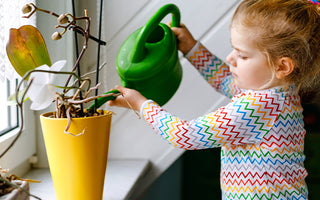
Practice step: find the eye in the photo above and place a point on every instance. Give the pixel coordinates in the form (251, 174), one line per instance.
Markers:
(241, 56)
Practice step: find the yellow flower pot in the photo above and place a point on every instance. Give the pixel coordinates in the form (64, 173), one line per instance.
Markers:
(77, 164)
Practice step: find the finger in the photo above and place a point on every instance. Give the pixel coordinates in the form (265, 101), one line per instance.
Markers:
(182, 25)
(176, 31)
(120, 88)
(119, 102)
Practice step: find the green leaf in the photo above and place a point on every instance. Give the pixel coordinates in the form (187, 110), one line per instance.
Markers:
(11, 101)
(26, 49)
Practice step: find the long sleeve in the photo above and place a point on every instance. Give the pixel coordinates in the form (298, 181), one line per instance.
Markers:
(243, 121)
(261, 136)
(213, 70)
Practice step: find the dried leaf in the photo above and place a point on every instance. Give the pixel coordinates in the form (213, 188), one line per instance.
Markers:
(26, 49)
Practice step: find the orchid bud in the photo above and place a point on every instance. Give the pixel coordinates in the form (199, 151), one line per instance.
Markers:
(56, 36)
(26, 9)
(62, 19)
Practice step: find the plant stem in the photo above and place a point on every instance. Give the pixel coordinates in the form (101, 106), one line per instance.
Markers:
(84, 48)
(77, 48)
(19, 132)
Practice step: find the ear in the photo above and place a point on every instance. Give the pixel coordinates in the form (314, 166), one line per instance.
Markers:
(285, 66)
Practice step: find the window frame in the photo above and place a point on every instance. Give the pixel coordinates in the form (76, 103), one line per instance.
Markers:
(9, 112)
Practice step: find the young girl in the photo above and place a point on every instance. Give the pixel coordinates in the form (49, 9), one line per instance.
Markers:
(261, 132)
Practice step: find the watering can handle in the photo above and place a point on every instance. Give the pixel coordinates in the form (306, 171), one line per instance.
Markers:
(151, 25)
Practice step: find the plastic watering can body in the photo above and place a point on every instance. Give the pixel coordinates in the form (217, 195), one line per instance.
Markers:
(148, 59)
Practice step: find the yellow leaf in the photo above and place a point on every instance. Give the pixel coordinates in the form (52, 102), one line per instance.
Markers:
(26, 49)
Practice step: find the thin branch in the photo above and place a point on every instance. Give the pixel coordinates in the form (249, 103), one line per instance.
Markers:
(77, 62)
(35, 8)
(91, 89)
(19, 132)
(79, 90)
(84, 75)
(85, 43)
(94, 71)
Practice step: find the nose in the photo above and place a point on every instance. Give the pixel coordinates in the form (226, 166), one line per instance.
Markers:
(231, 58)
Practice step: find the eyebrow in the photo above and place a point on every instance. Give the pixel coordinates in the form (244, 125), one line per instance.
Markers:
(239, 49)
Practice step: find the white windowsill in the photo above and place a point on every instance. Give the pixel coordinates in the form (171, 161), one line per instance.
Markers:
(121, 178)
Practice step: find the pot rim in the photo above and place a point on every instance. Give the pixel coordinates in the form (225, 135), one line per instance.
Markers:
(48, 115)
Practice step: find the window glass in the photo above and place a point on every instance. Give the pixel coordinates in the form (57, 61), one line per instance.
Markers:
(9, 113)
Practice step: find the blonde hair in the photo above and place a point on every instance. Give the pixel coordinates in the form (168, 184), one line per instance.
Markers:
(285, 28)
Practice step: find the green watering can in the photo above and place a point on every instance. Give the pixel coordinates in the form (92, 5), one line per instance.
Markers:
(148, 59)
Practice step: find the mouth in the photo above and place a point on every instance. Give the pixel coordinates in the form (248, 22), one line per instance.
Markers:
(234, 75)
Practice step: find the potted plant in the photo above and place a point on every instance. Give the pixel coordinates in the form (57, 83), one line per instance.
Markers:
(76, 139)
(13, 187)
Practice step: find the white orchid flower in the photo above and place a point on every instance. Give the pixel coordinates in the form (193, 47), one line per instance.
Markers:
(42, 91)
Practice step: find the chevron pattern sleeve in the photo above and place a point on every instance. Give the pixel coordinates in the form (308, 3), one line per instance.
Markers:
(261, 136)
(213, 70)
(245, 120)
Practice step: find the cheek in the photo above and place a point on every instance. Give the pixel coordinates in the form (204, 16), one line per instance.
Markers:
(259, 72)
(255, 75)
(259, 66)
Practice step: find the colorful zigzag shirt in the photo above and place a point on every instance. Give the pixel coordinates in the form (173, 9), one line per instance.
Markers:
(261, 134)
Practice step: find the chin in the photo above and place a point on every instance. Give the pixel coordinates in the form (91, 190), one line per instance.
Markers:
(239, 85)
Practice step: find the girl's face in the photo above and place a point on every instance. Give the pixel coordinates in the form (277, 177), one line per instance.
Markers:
(248, 65)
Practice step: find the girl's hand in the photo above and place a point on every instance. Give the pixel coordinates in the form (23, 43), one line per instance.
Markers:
(185, 39)
(133, 97)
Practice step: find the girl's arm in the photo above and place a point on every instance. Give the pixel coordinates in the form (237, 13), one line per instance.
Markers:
(246, 120)
(213, 69)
